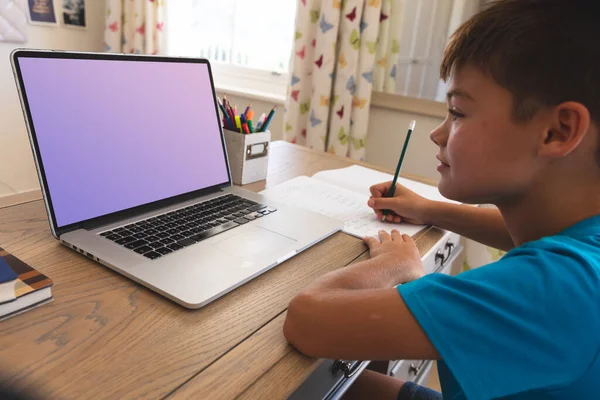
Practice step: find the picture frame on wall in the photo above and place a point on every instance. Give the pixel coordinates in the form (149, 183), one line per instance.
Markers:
(41, 12)
(13, 21)
(73, 14)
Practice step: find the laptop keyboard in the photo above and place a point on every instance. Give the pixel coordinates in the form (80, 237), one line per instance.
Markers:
(164, 234)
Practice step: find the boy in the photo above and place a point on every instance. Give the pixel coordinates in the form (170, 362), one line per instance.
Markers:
(522, 134)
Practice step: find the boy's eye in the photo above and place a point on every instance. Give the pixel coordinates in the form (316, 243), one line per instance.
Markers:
(455, 114)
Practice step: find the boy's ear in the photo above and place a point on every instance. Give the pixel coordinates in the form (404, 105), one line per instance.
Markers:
(569, 123)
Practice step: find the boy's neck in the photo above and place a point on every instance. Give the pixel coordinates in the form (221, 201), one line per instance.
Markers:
(550, 210)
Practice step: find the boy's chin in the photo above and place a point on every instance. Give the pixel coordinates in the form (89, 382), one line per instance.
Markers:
(454, 192)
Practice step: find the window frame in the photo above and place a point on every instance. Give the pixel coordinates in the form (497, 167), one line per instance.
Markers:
(269, 85)
(240, 80)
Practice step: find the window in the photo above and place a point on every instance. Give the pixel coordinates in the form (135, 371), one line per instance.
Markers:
(249, 43)
(425, 28)
(424, 33)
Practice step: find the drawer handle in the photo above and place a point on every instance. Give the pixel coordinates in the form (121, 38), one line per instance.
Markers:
(413, 369)
(346, 367)
(449, 248)
(439, 255)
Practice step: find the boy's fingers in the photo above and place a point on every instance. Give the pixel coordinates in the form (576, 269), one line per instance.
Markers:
(407, 238)
(396, 235)
(389, 217)
(384, 236)
(375, 191)
(395, 218)
(380, 189)
(381, 203)
(370, 241)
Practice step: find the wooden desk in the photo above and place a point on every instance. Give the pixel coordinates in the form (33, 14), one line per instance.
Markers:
(105, 336)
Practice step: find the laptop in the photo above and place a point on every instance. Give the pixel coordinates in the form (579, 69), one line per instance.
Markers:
(133, 168)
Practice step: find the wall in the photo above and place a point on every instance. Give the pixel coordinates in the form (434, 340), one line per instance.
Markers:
(17, 170)
(387, 131)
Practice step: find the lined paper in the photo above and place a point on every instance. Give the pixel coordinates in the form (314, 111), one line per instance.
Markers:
(337, 202)
(358, 179)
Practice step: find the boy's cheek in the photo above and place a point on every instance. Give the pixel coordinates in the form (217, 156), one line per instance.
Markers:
(482, 182)
(471, 175)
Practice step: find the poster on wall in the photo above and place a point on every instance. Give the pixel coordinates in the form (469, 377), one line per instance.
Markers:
(41, 12)
(73, 12)
(13, 21)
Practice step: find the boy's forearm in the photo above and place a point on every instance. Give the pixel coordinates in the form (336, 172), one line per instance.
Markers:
(484, 225)
(374, 273)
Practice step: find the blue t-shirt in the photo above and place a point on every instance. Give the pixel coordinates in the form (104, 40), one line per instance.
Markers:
(524, 327)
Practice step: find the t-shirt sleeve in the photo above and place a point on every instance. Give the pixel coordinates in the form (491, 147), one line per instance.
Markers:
(528, 321)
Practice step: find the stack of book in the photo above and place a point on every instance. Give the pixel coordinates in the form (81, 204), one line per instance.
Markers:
(21, 286)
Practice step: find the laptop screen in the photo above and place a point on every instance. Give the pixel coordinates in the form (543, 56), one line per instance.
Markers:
(116, 134)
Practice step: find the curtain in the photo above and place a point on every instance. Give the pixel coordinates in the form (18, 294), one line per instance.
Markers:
(344, 49)
(134, 26)
(388, 47)
(335, 48)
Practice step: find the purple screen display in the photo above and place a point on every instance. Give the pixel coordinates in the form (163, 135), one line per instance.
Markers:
(118, 134)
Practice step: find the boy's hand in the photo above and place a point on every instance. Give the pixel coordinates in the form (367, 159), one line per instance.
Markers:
(396, 250)
(406, 205)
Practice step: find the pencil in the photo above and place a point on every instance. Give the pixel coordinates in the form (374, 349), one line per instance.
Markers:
(265, 125)
(225, 115)
(260, 121)
(411, 127)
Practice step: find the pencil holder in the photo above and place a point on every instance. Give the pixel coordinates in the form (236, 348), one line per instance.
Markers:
(248, 155)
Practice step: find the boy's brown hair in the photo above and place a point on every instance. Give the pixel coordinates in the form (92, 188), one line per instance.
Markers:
(544, 52)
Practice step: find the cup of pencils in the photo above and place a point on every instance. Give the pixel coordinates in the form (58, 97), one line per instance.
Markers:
(247, 142)
(243, 123)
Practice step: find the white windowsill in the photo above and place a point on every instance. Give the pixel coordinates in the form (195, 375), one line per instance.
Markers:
(409, 104)
(236, 87)
(250, 93)
(379, 100)
(250, 83)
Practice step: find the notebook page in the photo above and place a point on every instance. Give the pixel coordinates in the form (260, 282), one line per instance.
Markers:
(336, 202)
(359, 179)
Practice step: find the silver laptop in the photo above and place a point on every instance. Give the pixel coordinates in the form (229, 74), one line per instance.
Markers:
(132, 163)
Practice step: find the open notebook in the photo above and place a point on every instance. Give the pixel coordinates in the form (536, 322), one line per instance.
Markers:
(343, 194)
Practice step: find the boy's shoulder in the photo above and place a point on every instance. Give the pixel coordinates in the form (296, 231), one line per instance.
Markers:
(551, 256)
(579, 239)
(579, 243)
(565, 265)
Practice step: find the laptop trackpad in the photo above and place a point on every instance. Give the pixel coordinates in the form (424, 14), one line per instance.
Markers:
(255, 243)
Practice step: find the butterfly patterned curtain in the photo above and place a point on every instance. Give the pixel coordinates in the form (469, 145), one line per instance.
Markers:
(336, 42)
(134, 26)
(388, 47)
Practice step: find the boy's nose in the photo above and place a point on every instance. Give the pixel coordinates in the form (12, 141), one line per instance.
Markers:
(439, 135)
